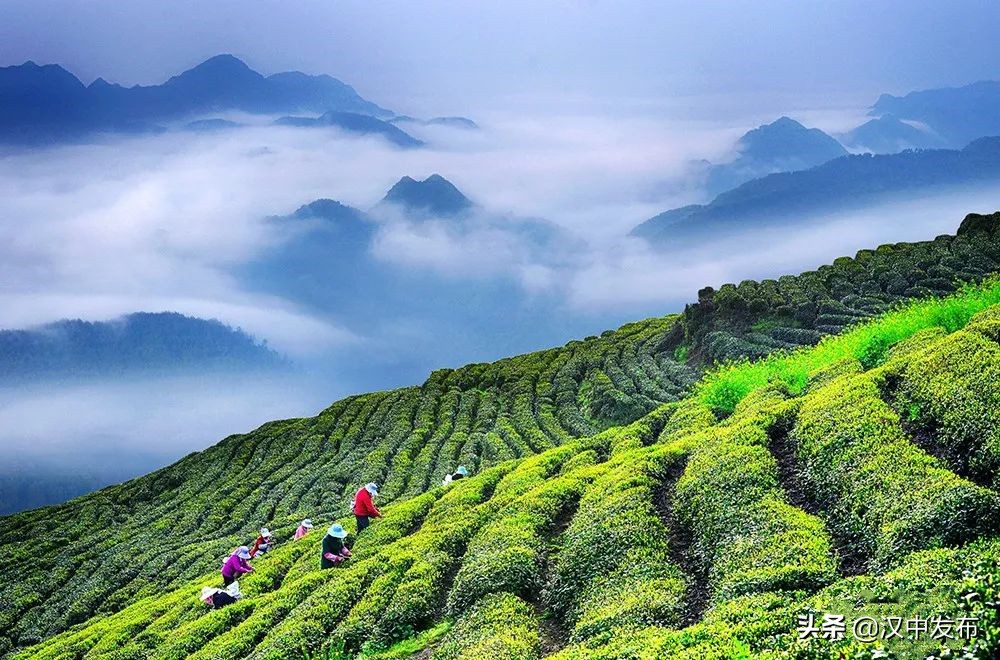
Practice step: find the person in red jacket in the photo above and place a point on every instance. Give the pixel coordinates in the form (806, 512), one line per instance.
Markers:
(262, 544)
(364, 508)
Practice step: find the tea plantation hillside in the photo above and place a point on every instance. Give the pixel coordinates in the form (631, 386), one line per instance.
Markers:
(754, 318)
(71, 573)
(836, 479)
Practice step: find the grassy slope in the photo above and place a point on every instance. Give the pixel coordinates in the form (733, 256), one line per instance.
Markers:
(163, 534)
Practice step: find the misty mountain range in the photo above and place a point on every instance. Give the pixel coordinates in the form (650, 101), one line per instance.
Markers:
(325, 263)
(843, 183)
(957, 114)
(928, 119)
(328, 261)
(40, 104)
(889, 134)
(138, 343)
(452, 122)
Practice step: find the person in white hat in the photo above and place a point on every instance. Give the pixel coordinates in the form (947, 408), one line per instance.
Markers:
(263, 543)
(303, 528)
(334, 550)
(236, 565)
(220, 597)
(364, 507)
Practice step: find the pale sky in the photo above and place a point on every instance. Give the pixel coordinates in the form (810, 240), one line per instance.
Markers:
(454, 54)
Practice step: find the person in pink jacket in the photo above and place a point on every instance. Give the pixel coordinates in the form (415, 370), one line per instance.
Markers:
(303, 529)
(236, 565)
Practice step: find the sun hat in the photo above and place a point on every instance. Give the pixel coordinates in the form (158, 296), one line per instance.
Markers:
(337, 531)
(372, 487)
(265, 532)
(243, 552)
(207, 593)
(462, 471)
(307, 523)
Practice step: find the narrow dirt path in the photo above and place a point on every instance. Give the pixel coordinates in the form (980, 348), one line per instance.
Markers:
(696, 598)
(850, 562)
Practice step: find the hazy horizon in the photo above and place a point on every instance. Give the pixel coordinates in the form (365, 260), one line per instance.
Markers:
(442, 57)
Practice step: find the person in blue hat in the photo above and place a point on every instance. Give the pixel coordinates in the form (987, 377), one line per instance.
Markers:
(461, 473)
(334, 550)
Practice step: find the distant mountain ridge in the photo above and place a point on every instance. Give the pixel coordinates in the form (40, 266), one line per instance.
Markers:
(958, 114)
(135, 343)
(451, 122)
(888, 135)
(840, 183)
(353, 122)
(48, 103)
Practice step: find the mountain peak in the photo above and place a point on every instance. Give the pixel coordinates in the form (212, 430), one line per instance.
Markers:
(786, 138)
(222, 62)
(435, 194)
(328, 209)
(784, 121)
(218, 72)
(782, 126)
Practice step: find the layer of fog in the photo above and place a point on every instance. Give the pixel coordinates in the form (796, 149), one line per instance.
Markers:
(97, 230)
(637, 277)
(61, 440)
(163, 222)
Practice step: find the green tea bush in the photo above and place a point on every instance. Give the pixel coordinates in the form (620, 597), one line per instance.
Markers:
(745, 535)
(615, 545)
(507, 555)
(500, 626)
(881, 491)
(950, 388)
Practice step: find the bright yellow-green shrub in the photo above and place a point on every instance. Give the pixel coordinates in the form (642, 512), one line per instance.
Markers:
(745, 535)
(951, 387)
(614, 567)
(881, 491)
(501, 626)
